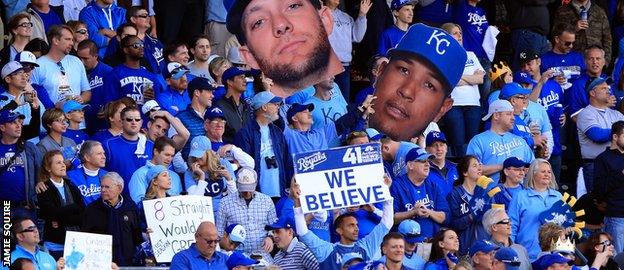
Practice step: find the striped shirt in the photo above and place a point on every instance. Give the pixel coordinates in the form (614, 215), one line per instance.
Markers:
(296, 257)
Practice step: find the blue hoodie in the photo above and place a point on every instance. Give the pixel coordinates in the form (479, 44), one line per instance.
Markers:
(95, 17)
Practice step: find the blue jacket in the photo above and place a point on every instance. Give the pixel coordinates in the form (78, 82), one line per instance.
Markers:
(524, 211)
(95, 19)
(248, 139)
(463, 221)
(32, 162)
(445, 182)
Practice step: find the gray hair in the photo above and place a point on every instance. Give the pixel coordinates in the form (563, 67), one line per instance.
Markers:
(489, 218)
(115, 177)
(529, 182)
(87, 149)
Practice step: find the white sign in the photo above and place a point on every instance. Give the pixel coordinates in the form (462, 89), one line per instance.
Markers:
(88, 251)
(174, 221)
(341, 177)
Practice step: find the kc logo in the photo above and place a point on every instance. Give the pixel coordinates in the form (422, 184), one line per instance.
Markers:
(440, 40)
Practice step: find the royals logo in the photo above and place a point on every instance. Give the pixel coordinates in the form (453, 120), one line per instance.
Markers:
(309, 162)
(441, 41)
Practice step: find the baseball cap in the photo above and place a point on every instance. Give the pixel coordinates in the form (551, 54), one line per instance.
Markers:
(246, 180)
(398, 4)
(10, 68)
(263, 98)
(509, 257)
(482, 246)
(417, 154)
(373, 265)
(297, 108)
(26, 57)
(512, 89)
(72, 105)
(236, 233)
(199, 83)
(435, 136)
(175, 70)
(199, 146)
(374, 135)
(549, 259)
(239, 259)
(7, 116)
(234, 56)
(437, 48)
(284, 222)
(515, 162)
(410, 229)
(232, 72)
(214, 112)
(523, 77)
(527, 56)
(154, 171)
(349, 257)
(499, 105)
(595, 82)
(150, 105)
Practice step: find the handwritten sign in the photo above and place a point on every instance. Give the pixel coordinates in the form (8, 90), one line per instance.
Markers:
(174, 221)
(88, 251)
(341, 177)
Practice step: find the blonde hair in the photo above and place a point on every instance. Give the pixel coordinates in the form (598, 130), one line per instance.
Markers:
(529, 182)
(152, 189)
(213, 163)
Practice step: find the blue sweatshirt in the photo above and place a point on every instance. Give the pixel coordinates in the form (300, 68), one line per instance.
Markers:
(463, 221)
(389, 38)
(124, 81)
(88, 185)
(438, 12)
(120, 158)
(97, 18)
(98, 96)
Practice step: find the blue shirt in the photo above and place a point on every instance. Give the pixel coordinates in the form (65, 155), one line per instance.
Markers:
(96, 82)
(571, 64)
(326, 111)
(173, 101)
(406, 194)
(49, 19)
(88, 185)
(399, 165)
(215, 11)
(311, 140)
(12, 179)
(139, 183)
(102, 136)
(473, 24)
(269, 178)
(410, 262)
(445, 179)
(42, 260)
(493, 149)
(49, 74)
(439, 12)
(124, 81)
(190, 259)
(389, 38)
(77, 135)
(524, 211)
(463, 220)
(120, 158)
(551, 98)
(506, 194)
(521, 129)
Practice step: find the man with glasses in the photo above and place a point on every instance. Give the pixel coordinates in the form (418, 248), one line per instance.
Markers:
(20, 99)
(29, 62)
(568, 64)
(27, 236)
(203, 253)
(140, 17)
(497, 224)
(102, 17)
(130, 79)
(130, 151)
(506, 259)
(61, 74)
(175, 98)
(577, 96)
(215, 124)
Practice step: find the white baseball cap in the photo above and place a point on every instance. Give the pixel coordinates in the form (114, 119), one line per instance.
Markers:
(499, 105)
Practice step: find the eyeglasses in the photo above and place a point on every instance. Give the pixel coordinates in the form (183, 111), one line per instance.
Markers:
(82, 31)
(25, 24)
(504, 221)
(137, 45)
(29, 229)
(568, 43)
(132, 119)
(218, 121)
(27, 67)
(211, 242)
(143, 16)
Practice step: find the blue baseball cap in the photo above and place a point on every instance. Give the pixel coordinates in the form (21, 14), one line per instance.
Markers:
(199, 146)
(349, 257)
(417, 154)
(26, 57)
(175, 71)
(239, 259)
(549, 259)
(598, 81)
(232, 72)
(512, 89)
(437, 48)
(214, 112)
(199, 83)
(154, 171)
(509, 257)
(435, 136)
(264, 98)
(366, 265)
(515, 162)
(297, 108)
(482, 246)
(410, 229)
(72, 105)
(523, 77)
(374, 135)
(236, 233)
(284, 222)
(7, 116)
(398, 4)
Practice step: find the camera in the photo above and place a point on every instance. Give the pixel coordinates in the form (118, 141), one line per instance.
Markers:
(271, 162)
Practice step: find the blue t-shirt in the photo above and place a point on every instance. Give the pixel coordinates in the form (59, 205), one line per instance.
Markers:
(68, 78)
(88, 185)
(439, 12)
(551, 99)
(124, 81)
(102, 136)
(571, 64)
(389, 38)
(120, 157)
(269, 178)
(473, 24)
(326, 111)
(13, 178)
(98, 96)
(41, 259)
(77, 135)
(493, 149)
(49, 19)
(173, 101)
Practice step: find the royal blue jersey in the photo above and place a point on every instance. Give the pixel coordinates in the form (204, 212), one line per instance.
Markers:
(551, 98)
(439, 12)
(124, 81)
(88, 185)
(12, 175)
(473, 24)
(173, 100)
(389, 38)
(571, 64)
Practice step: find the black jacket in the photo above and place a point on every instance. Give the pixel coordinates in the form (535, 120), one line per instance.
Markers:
(122, 223)
(609, 181)
(58, 217)
(236, 118)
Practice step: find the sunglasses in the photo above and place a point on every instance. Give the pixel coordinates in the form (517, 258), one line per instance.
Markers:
(144, 16)
(504, 221)
(60, 65)
(29, 229)
(26, 24)
(133, 119)
(211, 242)
(568, 43)
(137, 45)
(82, 31)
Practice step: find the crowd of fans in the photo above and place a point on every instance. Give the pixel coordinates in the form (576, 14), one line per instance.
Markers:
(107, 104)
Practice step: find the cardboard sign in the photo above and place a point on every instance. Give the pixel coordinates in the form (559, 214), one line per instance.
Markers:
(88, 251)
(341, 177)
(174, 221)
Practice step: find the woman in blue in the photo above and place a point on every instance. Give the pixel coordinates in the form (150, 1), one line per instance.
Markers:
(465, 220)
(444, 245)
(510, 181)
(524, 210)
